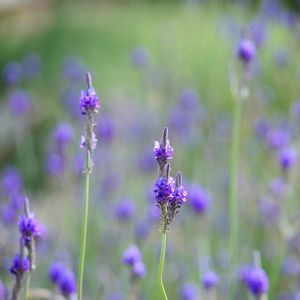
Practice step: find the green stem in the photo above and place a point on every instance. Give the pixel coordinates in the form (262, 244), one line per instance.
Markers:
(27, 286)
(161, 265)
(233, 192)
(84, 227)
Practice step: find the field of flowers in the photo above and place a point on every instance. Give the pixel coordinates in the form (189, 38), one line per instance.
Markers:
(150, 151)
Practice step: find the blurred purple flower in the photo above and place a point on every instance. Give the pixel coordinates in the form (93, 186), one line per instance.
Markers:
(106, 129)
(142, 230)
(257, 281)
(246, 51)
(258, 32)
(287, 158)
(189, 99)
(72, 69)
(138, 269)
(55, 164)
(209, 280)
(69, 97)
(269, 209)
(146, 162)
(67, 283)
(11, 181)
(199, 199)
(189, 291)
(278, 138)
(63, 134)
(55, 272)
(29, 228)
(19, 103)
(140, 57)
(131, 255)
(12, 73)
(125, 210)
(262, 127)
(278, 186)
(154, 213)
(31, 65)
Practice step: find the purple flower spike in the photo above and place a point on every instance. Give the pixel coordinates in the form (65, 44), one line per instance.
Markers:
(246, 51)
(20, 265)
(28, 228)
(19, 103)
(287, 158)
(163, 189)
(89, 102)
(56, 271)
(209, 280)
(125, 210)
(131, 255)
(12, 73)
(189, 291)
(138, 269)
(257, 281)
(67, 283)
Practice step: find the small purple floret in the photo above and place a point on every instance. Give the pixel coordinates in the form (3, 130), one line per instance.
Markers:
(131, 255)
(189, 291)
(20, 265)
(56, 271)
(67, 283)
(163, 189)
(163, 153)
(28, 228)
(287, 158)
(179, 195)
(199, 199)
(139, 269)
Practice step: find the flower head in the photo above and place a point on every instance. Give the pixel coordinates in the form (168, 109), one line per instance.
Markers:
(287, 158)
(131, 255)
(138, 269)
(209, 280)
(189, 291)
(19, 103)
(246, 51)
(63, 134)
(125, 210)
(67, 283)
(257, 281)
(12, 73)
(20, 265)
(199, 199)
(56, 271)
(163, 152)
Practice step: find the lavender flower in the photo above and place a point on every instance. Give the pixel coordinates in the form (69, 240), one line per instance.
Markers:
(287, 158)
(140, 57)
(19, 103)
(189, 291)
(28, 228)
(67, 283)
(31, 65)
(106, 129)
(55, 164)
(278, 138)
(63, 134)
(20, 265)
(209, 280)
(246, 51)
(56, 271)
(257, 281)
(11, 181)
(89, 102)
(200, 199)
(12, 73)
(131, 255)
(138, 269)
(125, 210)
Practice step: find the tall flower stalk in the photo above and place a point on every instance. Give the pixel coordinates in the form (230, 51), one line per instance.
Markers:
(89, 105)
(169, 195)
(240, 92)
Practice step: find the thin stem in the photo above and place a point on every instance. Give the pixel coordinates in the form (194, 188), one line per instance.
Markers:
(27, 286)
(84, 227)
(233, 192)
(161, 265)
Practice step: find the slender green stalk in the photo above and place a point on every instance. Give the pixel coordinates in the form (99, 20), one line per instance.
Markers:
(161, 265)
(84, 227)
(233, 192)
(27, 286)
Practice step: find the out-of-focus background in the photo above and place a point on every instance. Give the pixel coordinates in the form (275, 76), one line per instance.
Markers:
(154, 64)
